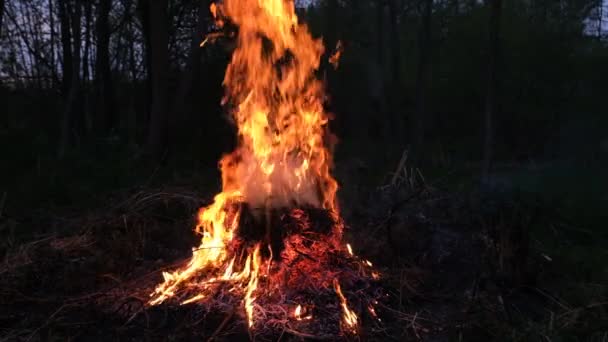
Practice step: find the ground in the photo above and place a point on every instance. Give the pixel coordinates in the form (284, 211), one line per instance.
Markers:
(457, 263)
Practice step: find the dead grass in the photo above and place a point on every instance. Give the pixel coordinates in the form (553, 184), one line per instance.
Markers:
(452, 265)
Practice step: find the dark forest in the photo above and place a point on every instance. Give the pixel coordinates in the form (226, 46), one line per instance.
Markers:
(468, 140)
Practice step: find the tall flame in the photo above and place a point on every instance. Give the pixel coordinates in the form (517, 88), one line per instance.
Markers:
(283, 156)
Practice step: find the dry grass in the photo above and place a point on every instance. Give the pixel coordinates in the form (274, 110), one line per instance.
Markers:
(449, 268)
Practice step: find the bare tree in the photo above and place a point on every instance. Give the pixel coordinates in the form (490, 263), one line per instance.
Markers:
(380, 5)
(52, 43)
(394, 8)
(193, 66)
(395, 67)
(103, 76)
(331, 29)
(144, 16)
(67, 70)
(132, 114)
(66, 38)
(27, 22)
(377, 75)
(600, 16)
(492, 86)
(88, 7)
(422, 80)
(1, 14)
(72, 120)
(159, 38)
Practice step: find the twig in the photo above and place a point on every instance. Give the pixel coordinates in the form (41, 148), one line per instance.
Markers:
(583, 308)
(399, 166)
(305, 335)
(48, 321)
(141, 309)
(222, 325)
(305, 255)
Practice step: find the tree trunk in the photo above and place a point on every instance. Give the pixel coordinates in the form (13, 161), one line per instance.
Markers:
(66, 38)
(71, 121)
(395, 43)
(159, 38)
(76, 102)
(331, 34)
(395, 108)
(67, 79)
(1, 14)
(105, 116)
(132, 116)
(52, 61)
(31, 33)
(380, 31)
(599, 22)
(193, 66)
(380, 123)
(85, 67)
(87, 41)
(422, 80)
(144, 14)
(492, 87)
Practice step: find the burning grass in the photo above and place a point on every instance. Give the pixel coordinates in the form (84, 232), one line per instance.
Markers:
(54, 280)
(271, 241)
(440, 282)
(302, 282)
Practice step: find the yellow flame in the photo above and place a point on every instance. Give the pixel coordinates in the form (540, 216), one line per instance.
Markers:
(348, 316)
(252, 285)
(282, 127)
(193, 299)
(349, 248)
(283, 154)
(298, 313)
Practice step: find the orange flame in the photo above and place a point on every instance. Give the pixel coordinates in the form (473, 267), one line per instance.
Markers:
(334, 59)
(252, 286)
(283, 153)
(349, 316)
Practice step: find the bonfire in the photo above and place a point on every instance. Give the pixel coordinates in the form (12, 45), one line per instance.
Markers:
(272, 246)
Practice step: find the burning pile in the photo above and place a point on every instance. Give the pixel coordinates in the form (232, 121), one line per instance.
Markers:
(272, 239)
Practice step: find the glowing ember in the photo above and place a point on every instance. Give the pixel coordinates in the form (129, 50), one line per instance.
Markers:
(335, 58)
(299, 312)
(372, 312)
(274, 230)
